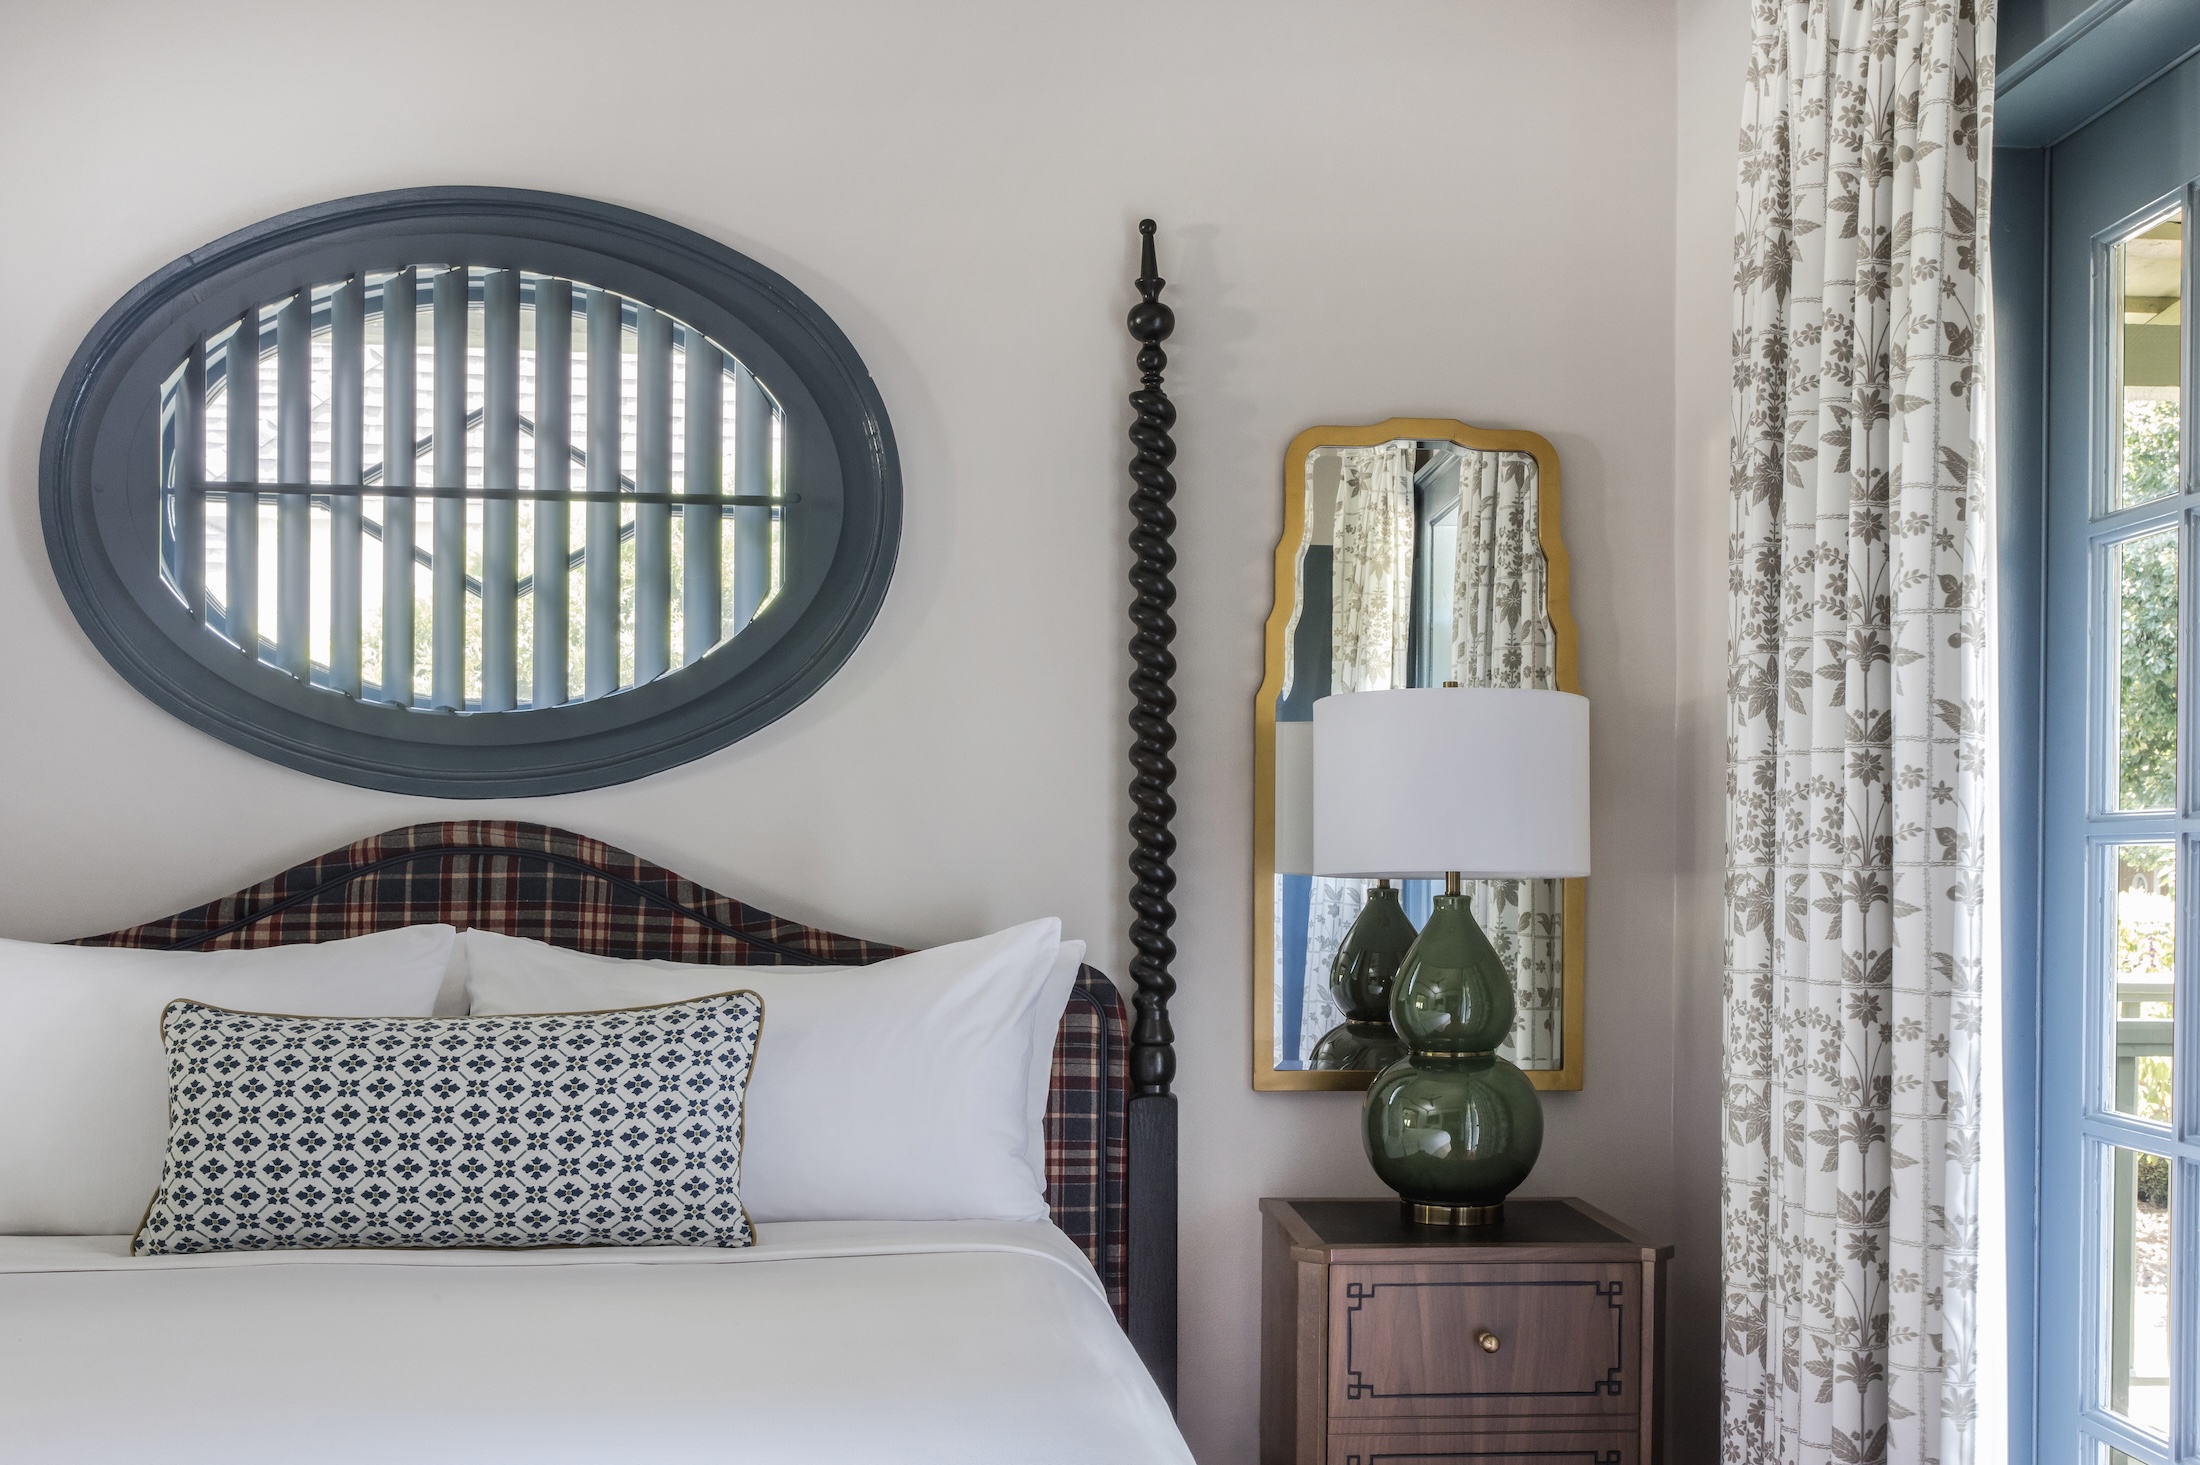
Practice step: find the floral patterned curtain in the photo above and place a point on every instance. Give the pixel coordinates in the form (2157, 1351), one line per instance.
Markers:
(1372, 609)
(1370, 629)
(1501, 634)
(1501, 637)
(1857, 793)
(1334, 905)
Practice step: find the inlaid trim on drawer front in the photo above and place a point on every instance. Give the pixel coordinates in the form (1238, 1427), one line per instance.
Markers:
(1483, 1449)
(1484, 1340)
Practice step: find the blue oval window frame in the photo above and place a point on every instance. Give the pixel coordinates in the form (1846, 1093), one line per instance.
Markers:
(100, 499)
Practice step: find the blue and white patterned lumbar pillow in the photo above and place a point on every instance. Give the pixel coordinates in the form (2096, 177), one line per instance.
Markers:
(579, 1129)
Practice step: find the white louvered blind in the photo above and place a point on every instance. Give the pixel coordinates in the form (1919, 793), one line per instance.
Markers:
(470, 490)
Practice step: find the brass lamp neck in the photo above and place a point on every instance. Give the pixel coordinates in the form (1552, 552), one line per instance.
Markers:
(1451, 882)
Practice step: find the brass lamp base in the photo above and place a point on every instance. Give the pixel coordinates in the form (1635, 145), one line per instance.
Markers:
(1421, 1214)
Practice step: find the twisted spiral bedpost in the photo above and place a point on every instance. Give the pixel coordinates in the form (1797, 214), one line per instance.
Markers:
(1153, 665)
(1152, 1116)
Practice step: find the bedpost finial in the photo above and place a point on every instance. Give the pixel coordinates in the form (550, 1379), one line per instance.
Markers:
(1150, 320)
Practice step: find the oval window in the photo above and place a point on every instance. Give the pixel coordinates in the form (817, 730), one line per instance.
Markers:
(471, 492)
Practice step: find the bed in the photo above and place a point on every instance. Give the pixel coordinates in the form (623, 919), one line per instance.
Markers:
(968, 1340)
(860, 1341)
(974, 1341)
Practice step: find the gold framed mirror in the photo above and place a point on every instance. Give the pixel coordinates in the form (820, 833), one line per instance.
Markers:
(1415, 552)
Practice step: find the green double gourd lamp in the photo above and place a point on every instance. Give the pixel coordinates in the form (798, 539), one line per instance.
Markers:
(1470, 783)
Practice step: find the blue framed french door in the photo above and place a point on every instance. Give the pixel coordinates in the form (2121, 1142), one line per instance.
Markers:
(2118, 1179)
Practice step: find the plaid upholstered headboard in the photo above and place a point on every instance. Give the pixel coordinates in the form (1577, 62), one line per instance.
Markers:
(569, 890)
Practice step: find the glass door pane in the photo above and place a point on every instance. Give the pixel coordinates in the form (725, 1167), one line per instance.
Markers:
(2135, 1277)
(2146, 671)
(2148, 268)
(2141, 993)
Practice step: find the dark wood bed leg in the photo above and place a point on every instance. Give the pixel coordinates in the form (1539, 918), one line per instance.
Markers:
(1152, 1272)
(1152, 1111)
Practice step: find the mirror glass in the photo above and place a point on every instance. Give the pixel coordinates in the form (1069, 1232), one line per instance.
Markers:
(1410, 560)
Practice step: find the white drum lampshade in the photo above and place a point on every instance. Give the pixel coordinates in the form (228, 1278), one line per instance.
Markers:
(1491, 782)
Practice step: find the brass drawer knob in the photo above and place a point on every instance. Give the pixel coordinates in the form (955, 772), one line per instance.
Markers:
(1487, 1339)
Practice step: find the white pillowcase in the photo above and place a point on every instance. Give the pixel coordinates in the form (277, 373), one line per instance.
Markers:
(911, 1089)
(83, 1080)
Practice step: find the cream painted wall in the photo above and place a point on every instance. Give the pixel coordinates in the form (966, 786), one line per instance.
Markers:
(1419, 206)
(1713, 47)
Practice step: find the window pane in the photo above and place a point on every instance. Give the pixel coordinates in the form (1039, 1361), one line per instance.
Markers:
(2144, 977)
(1436, 635)
(2146, 671)
(2139, 1368)
(2150, 284)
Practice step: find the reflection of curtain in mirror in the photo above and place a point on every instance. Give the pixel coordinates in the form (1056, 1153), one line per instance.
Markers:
(1501, 637)
(1370, 627)
(1371, 615)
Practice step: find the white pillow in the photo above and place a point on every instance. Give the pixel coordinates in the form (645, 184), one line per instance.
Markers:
(456, 996)
(450, 998)
(1046, 1029)
(902, 1090)
(83, 1080)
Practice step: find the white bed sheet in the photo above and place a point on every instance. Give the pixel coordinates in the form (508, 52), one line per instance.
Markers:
(970, 1341)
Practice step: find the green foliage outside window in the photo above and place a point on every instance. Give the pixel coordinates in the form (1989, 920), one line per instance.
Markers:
(2150, 449)
(2151, 1182)
(2154, 1088)
(2147, 696)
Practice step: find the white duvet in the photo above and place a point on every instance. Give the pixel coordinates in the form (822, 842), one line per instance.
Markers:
(828, 1341)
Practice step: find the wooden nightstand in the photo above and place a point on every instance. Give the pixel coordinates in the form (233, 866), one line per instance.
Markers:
(1537, 1341)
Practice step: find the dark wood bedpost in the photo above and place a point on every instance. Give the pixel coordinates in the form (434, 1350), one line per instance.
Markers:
(1152, 1116)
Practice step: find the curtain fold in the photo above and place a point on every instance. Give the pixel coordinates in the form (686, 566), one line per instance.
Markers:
(1501, 629)
(1501, 637)
(1370, 629)
(1857, 794)
(1372, 611)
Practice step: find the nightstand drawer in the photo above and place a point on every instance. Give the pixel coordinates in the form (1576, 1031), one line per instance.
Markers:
(1372, 1346)
(1482, 1341)
(1484, 1449)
